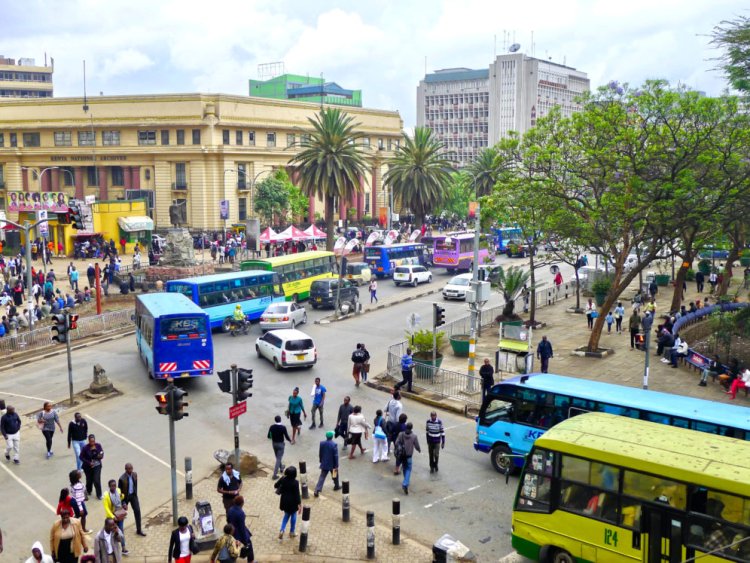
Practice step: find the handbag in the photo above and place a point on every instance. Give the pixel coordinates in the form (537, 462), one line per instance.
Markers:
(366, 367)
(121, 514)
(286, 413)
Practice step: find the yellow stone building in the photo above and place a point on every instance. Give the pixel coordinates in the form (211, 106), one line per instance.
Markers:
(196, 149)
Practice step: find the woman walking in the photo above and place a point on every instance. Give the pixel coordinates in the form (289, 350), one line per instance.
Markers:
(291, 500)
(46, 421)
(66, 539)
(380, 438)
(590, 310)
(373, 290)
(400, 427)
(67, 503)
(227, 549)
(91, 460)
(295, 409)
(78, 492)
(358, 425)
(182, 542)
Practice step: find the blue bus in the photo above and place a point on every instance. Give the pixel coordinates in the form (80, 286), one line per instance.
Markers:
(517, 411)
(383, 259)
(173, 336)
(505, 234)
(218, 294)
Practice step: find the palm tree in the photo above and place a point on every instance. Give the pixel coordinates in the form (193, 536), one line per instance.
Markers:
(331, 161)
(484, 171)
(510, 284)
(419, 174)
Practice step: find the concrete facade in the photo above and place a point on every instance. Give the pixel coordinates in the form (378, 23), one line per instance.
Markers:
(25, 79)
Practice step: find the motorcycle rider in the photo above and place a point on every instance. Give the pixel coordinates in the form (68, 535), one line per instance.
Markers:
(238, 316)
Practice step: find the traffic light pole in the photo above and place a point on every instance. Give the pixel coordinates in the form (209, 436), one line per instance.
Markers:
(172, 451)
(473, 307)
(236, 419)
(70, 359)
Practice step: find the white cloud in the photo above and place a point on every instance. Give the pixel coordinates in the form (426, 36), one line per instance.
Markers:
(124, 62)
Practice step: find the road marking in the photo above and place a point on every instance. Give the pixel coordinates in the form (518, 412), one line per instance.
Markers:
(460, 424)
(25, 396)
(453, 495)
(36, 495)
(136, 446)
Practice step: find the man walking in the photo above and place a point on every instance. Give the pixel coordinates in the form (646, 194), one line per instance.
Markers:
(328, 454)
(544, 353)
(128, 484)
(635, 326)
(230, 485)
(700, 279)
(342, 420)
(435, 440)
(406, 443)
(318, 394)
(107, 543)
(487, 373)
(78, 430)
(277, 433)
(10, 425)
(393, 410)
(407, 365)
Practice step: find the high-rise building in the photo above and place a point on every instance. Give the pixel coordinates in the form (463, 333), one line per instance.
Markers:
(470, 110)
(305, 89)
(25, 79)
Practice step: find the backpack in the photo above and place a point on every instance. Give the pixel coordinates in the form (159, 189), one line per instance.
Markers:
(399, 449)
(358, 357)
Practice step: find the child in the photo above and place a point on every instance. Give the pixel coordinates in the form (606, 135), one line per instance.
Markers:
(609, 319)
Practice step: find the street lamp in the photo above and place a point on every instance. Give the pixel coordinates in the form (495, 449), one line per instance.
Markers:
(474, 306)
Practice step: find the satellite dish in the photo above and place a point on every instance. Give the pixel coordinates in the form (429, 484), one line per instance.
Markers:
(413, 321)
(513, 48)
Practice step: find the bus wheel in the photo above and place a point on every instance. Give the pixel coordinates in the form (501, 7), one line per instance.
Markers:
(561, 556)
(500, 460)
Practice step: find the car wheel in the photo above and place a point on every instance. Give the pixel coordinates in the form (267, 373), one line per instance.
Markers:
(304, 318)
(396, 284)
(276, 364)
(257, 351)
(292, 325)
(429, 279)
(500, 461)
(415, 283)
(295, 298)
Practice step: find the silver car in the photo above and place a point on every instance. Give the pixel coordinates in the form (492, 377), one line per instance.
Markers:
(282, 315)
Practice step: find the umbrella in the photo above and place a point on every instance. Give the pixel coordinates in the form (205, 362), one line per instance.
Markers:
(314, 232)
(268, 235)
(293, 233)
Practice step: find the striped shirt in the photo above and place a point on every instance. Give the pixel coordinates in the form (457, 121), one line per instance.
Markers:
(435, 431)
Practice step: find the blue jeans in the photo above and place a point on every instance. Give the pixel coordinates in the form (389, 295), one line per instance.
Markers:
(77, 446)
(407, 471)
(286, 518)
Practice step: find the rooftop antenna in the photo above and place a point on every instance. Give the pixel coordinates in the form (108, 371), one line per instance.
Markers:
(85, 100)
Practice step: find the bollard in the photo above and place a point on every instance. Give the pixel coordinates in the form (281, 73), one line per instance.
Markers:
(345, 501)
(396, 522)
(304, 528)
(188, 478)
(370, 534)
(303, 479)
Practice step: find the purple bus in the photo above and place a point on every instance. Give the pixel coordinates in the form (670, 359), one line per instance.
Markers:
(456, 252)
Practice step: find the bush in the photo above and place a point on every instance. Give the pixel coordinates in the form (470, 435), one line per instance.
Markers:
(602, 285)
(690, 276)
(705, 266)
(421, 340)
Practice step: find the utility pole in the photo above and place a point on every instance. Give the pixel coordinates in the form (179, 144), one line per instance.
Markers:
(473, 307)
(647, 323)
(172, 449)
(72, 323)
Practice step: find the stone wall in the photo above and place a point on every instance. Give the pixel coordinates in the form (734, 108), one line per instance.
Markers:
(165, 273)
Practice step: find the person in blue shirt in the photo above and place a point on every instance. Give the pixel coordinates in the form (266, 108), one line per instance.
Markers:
(69, 301)
(407, 365)
(619, 315)
(318, 394)
(609, 319)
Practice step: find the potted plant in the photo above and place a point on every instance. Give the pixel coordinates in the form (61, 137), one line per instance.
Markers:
(421, 344)
(460, 345)
(600, 288)
(745, 257)
(705, 266)
(662, 277)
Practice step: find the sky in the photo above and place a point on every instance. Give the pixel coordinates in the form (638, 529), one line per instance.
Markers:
(381, 47)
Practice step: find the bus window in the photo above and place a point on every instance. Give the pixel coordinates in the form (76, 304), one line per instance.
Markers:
(618, 410)
(578, 406)
(654, 489)
(498, 410)
(589, 488)
(680, 422)
(655, 417)
(537, 482)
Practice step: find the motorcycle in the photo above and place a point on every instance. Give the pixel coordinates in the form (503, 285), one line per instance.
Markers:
(236, 327)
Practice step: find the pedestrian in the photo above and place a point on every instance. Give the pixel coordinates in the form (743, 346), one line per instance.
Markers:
(400, 427)
(91, 460)
(366, 363)
(46, 421)
(91, 274)
(10, 425)
(406, 443)
(78, 492)
(115, 508)
(487, 373)
(227, 549)
(37, 554)
(318, 394)
(78, 430)
(128, 484)
(328, 455)
(653, 289)
(236, 517)
(67, 539)
(590, 310)
(290, 502)
(358, 358)
(407, 366)
(380, 438)
(610, 320)
(619, 315)
(713, 279)
(67, 502)
(108, 543)
(558, 283)
(295, 407)
(634, 324)
(230, 485)
(393, 410)
(342, 421)
(357, 426)
(435, 440)
(277, 433)
(544, 353)
(373, 290)
(73, 278)
(182, 542)
(700, 279)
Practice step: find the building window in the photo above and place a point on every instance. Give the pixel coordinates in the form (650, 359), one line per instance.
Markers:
(92, 176)
(63, 139)
(13, 140)
(291, 139)
(31, 139)
(365, 141)
(242, 208)
(241, 176)
(67, 174)
(2, 177)
(2, 139)
(180, 176)
(238, 138)
(225, 136)
(180, 136)
(165, 136)
(146, 137)
(304, 139)
(380, 144)
(271, 139)
(111, 138)
(196, 136)
(251, 138)
(117, 176)
(86, 139)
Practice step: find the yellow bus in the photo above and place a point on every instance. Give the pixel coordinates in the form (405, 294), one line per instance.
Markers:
(601, 487)
(297, 271)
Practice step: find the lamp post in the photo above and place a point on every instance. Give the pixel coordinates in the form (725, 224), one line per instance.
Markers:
(474, 306)
(225, 199)
(252, 187)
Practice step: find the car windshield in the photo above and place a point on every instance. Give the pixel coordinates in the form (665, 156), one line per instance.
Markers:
(458, 280)
(279, 309)
(299, 345)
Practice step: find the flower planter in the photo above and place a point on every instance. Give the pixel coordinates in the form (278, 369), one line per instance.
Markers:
(662, 280)
(600, 298)
(423, 365)
(460, 345)
(745, 261)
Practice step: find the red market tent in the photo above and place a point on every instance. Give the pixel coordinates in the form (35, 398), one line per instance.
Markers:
(314, 232)
(269, 235)
(293, 233)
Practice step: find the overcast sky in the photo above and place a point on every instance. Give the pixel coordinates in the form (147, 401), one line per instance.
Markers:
(378, 46)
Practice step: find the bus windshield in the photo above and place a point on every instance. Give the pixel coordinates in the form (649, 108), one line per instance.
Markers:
(182, 327)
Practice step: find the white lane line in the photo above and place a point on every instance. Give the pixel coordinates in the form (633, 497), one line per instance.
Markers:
(460, 424)
(136, 446)
(33, 493)
(452, 495)
(25, 396)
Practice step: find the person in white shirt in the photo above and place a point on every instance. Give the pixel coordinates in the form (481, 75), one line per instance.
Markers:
(107, 543)
(357, 426)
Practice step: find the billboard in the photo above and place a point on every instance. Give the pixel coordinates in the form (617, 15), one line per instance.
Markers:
(57, 202)
(224, 209)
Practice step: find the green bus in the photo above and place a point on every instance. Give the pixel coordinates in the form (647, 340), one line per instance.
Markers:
(297, 271)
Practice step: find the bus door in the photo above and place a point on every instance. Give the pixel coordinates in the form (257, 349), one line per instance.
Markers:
(662, 533)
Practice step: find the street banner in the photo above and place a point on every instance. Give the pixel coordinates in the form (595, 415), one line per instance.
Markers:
(383, 216)
(56, 202)
(224, 209)
(252, 230)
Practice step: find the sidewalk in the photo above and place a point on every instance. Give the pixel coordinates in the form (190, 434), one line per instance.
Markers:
(329, 538)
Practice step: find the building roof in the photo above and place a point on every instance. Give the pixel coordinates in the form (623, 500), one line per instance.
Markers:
(456, 74)
(316, 89)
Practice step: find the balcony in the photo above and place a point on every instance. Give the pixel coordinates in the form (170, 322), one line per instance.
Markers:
(179, 186)
(243, 186)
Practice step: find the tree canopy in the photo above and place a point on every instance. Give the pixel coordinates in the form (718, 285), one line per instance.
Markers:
(733, 38)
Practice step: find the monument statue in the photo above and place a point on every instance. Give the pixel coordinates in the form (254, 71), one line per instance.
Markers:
(178, 249)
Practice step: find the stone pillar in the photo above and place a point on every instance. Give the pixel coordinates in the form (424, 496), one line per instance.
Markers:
(311, 208)
(46, 181)
(103, 191)
(56, 179)
(126, 176)
(374, 211)
(136, 177)
(342, 208)
(25, 179)
(78, 173)
(361, 198)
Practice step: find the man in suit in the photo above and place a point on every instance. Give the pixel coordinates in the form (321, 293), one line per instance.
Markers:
(128, 484)
(329, 463)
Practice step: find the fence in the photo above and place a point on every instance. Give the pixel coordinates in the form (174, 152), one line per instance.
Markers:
(24, 341)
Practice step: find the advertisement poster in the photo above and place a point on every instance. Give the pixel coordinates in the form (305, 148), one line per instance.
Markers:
(57, 202)
(224, 209)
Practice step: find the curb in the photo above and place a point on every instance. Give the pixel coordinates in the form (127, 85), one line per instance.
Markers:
(421, 399)
(333, 319)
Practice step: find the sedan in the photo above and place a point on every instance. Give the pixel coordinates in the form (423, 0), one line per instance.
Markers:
(457, 287)
(282, 315)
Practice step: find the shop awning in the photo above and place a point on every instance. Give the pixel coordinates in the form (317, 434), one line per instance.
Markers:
(133, 224)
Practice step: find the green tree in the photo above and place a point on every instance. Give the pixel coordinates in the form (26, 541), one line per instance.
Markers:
(419, 174)
(272, 198)
(733, 38)
(484, 171)
(331, 161)
(298, 203)
(509, 282)
(458, 194)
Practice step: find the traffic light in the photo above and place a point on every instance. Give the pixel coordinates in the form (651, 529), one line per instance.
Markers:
(244, 384)
(63, 218)
(76, 217)
(60, 328)
(72, 322)
(162, 402)
(225, 380)
(438, 315)
(177, 403)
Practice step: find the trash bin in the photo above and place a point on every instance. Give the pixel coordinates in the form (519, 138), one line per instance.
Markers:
(203, 518)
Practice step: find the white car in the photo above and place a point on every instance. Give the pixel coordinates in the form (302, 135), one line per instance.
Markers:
(411, 274)
(282, 315)
(457, 287)
(287, 348)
